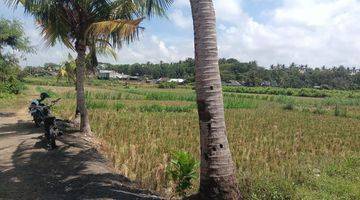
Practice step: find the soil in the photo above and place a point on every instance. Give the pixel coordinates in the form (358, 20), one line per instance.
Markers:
(75, 170)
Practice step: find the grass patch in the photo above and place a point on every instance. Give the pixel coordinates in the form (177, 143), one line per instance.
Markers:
(40, 89)
(161, 108)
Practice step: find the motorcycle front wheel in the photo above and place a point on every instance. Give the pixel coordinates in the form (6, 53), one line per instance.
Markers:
(52, 137)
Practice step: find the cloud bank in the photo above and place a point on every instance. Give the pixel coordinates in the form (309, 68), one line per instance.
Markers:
(313, 32)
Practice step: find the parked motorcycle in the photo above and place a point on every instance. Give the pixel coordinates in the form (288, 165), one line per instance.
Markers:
(41, 114)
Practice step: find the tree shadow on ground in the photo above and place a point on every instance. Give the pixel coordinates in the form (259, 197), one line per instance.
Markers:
(7, 114)
(73, 171)
(18, 129)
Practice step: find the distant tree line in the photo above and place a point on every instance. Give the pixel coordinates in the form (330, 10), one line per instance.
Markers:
(251, 74)
(245, 73)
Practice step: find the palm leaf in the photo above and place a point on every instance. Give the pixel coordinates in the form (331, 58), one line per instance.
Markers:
(118, 31)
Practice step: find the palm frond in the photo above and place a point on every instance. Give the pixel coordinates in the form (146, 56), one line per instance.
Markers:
(141, 8)
(118, 31)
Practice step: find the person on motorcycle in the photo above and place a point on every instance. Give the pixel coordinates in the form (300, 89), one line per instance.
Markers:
(38, 102)
(43, 96)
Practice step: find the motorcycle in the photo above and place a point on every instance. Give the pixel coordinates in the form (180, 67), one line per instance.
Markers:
(42, 115)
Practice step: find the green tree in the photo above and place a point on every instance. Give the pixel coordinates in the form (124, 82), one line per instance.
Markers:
(78, 23)
(11, 36)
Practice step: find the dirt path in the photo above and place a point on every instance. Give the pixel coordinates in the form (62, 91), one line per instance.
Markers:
(73, 171)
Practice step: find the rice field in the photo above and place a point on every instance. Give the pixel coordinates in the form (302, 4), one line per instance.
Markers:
(284, 147)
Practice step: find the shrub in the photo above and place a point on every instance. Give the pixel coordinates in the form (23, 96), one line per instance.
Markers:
(182, 171)
(12, 86)
(170, 85)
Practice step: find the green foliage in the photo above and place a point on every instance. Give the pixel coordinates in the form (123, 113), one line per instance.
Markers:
(12, 86)
(339, 111)
(304, 92)
(119, 105)
(169, 85)
(250, 74)
(13, 35)
(182, 170)
(319, 109)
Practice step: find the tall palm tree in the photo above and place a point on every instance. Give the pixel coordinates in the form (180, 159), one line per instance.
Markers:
(217, 174)
(76, 22)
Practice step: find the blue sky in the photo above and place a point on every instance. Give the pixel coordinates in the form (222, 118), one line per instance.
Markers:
(313, 32)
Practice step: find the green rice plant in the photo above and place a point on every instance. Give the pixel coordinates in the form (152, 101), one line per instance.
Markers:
(161, 108)
(288, 102)
(289, 106)
(319, 109)
(239, 104)
(119, 105)
(182, 170)
(92, 104)
(340, 112)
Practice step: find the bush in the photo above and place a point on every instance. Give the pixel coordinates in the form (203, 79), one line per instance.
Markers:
(182, 171)
(12, 86)
(170, 85)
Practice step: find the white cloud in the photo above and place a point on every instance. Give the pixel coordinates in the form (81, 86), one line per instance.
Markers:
(229, 11)
(315, 32)
(303, 31)
(154, 49)
(179, 18)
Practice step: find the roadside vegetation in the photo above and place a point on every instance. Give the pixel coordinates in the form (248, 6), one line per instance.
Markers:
(284, 147)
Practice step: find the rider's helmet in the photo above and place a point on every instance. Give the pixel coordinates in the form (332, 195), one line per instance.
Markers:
(44, 95)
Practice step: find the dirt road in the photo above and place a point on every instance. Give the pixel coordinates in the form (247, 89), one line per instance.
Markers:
(73, 171)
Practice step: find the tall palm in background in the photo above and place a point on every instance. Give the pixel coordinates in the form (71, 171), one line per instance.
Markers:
(78, 23)
(217, 174)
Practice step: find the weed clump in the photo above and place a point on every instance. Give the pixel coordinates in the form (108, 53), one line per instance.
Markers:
(182, 170)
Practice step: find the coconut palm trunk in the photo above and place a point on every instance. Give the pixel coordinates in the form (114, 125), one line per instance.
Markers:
(80, 48)
(217, 175)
